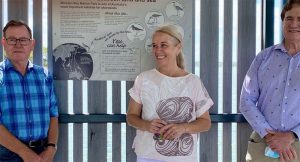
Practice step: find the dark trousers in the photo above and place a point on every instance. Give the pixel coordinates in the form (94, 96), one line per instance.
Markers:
(9, 156)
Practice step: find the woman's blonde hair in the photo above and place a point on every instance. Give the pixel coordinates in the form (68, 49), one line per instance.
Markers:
(174, 32)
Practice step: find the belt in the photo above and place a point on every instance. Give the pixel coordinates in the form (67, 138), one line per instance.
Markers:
(38, 143)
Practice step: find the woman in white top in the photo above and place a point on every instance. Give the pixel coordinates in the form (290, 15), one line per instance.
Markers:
(168, 105)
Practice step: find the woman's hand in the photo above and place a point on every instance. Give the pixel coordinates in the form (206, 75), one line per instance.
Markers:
(172, 131)
(155, 125)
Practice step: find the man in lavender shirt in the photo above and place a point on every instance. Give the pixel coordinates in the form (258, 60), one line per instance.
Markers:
(270, 97)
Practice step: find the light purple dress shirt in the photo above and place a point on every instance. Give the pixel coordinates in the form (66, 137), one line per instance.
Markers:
(270, 97)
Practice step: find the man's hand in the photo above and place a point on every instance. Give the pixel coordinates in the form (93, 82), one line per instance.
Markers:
(288, 154)
(30, 156)
(282, 143)
(48, 154)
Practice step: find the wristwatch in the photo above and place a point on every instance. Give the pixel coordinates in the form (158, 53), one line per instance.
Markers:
(52, 145)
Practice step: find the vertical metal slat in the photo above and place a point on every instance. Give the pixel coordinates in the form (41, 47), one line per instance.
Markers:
(227, 78)
(209, 44)
(246, 53)
(77, 127)
(130, 131)
(62, 96)
(116, 127)
(97, 132)
(18, 10)
(38, 32)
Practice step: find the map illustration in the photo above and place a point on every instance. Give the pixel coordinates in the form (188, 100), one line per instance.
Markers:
(72, 62)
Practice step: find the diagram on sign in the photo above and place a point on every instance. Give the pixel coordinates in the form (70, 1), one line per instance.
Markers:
(72, 61)
(174, 10)
(136, 32)
(154, 19)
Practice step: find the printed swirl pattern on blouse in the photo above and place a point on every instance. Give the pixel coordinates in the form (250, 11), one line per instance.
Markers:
(175, 110)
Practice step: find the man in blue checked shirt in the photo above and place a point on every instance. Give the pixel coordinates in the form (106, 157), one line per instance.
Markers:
(28, 107)
(270, 97)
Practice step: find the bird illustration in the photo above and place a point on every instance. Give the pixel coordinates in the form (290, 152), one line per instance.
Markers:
(136, 29)
(177, 8)
(153, 18)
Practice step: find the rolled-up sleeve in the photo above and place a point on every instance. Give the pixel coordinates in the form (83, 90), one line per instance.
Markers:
(203, 101)
(135, 91)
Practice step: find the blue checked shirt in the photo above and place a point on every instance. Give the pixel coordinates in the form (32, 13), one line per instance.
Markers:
(270, 97)
(27, 102)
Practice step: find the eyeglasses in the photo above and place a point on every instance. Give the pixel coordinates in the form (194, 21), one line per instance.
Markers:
(14, 41)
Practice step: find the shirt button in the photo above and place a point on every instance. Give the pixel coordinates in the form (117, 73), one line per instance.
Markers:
(282, 125)
(285, 97)
(283, 111)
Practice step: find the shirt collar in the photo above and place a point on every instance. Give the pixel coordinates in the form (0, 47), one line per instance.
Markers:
(281, 47)
(9, 65)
